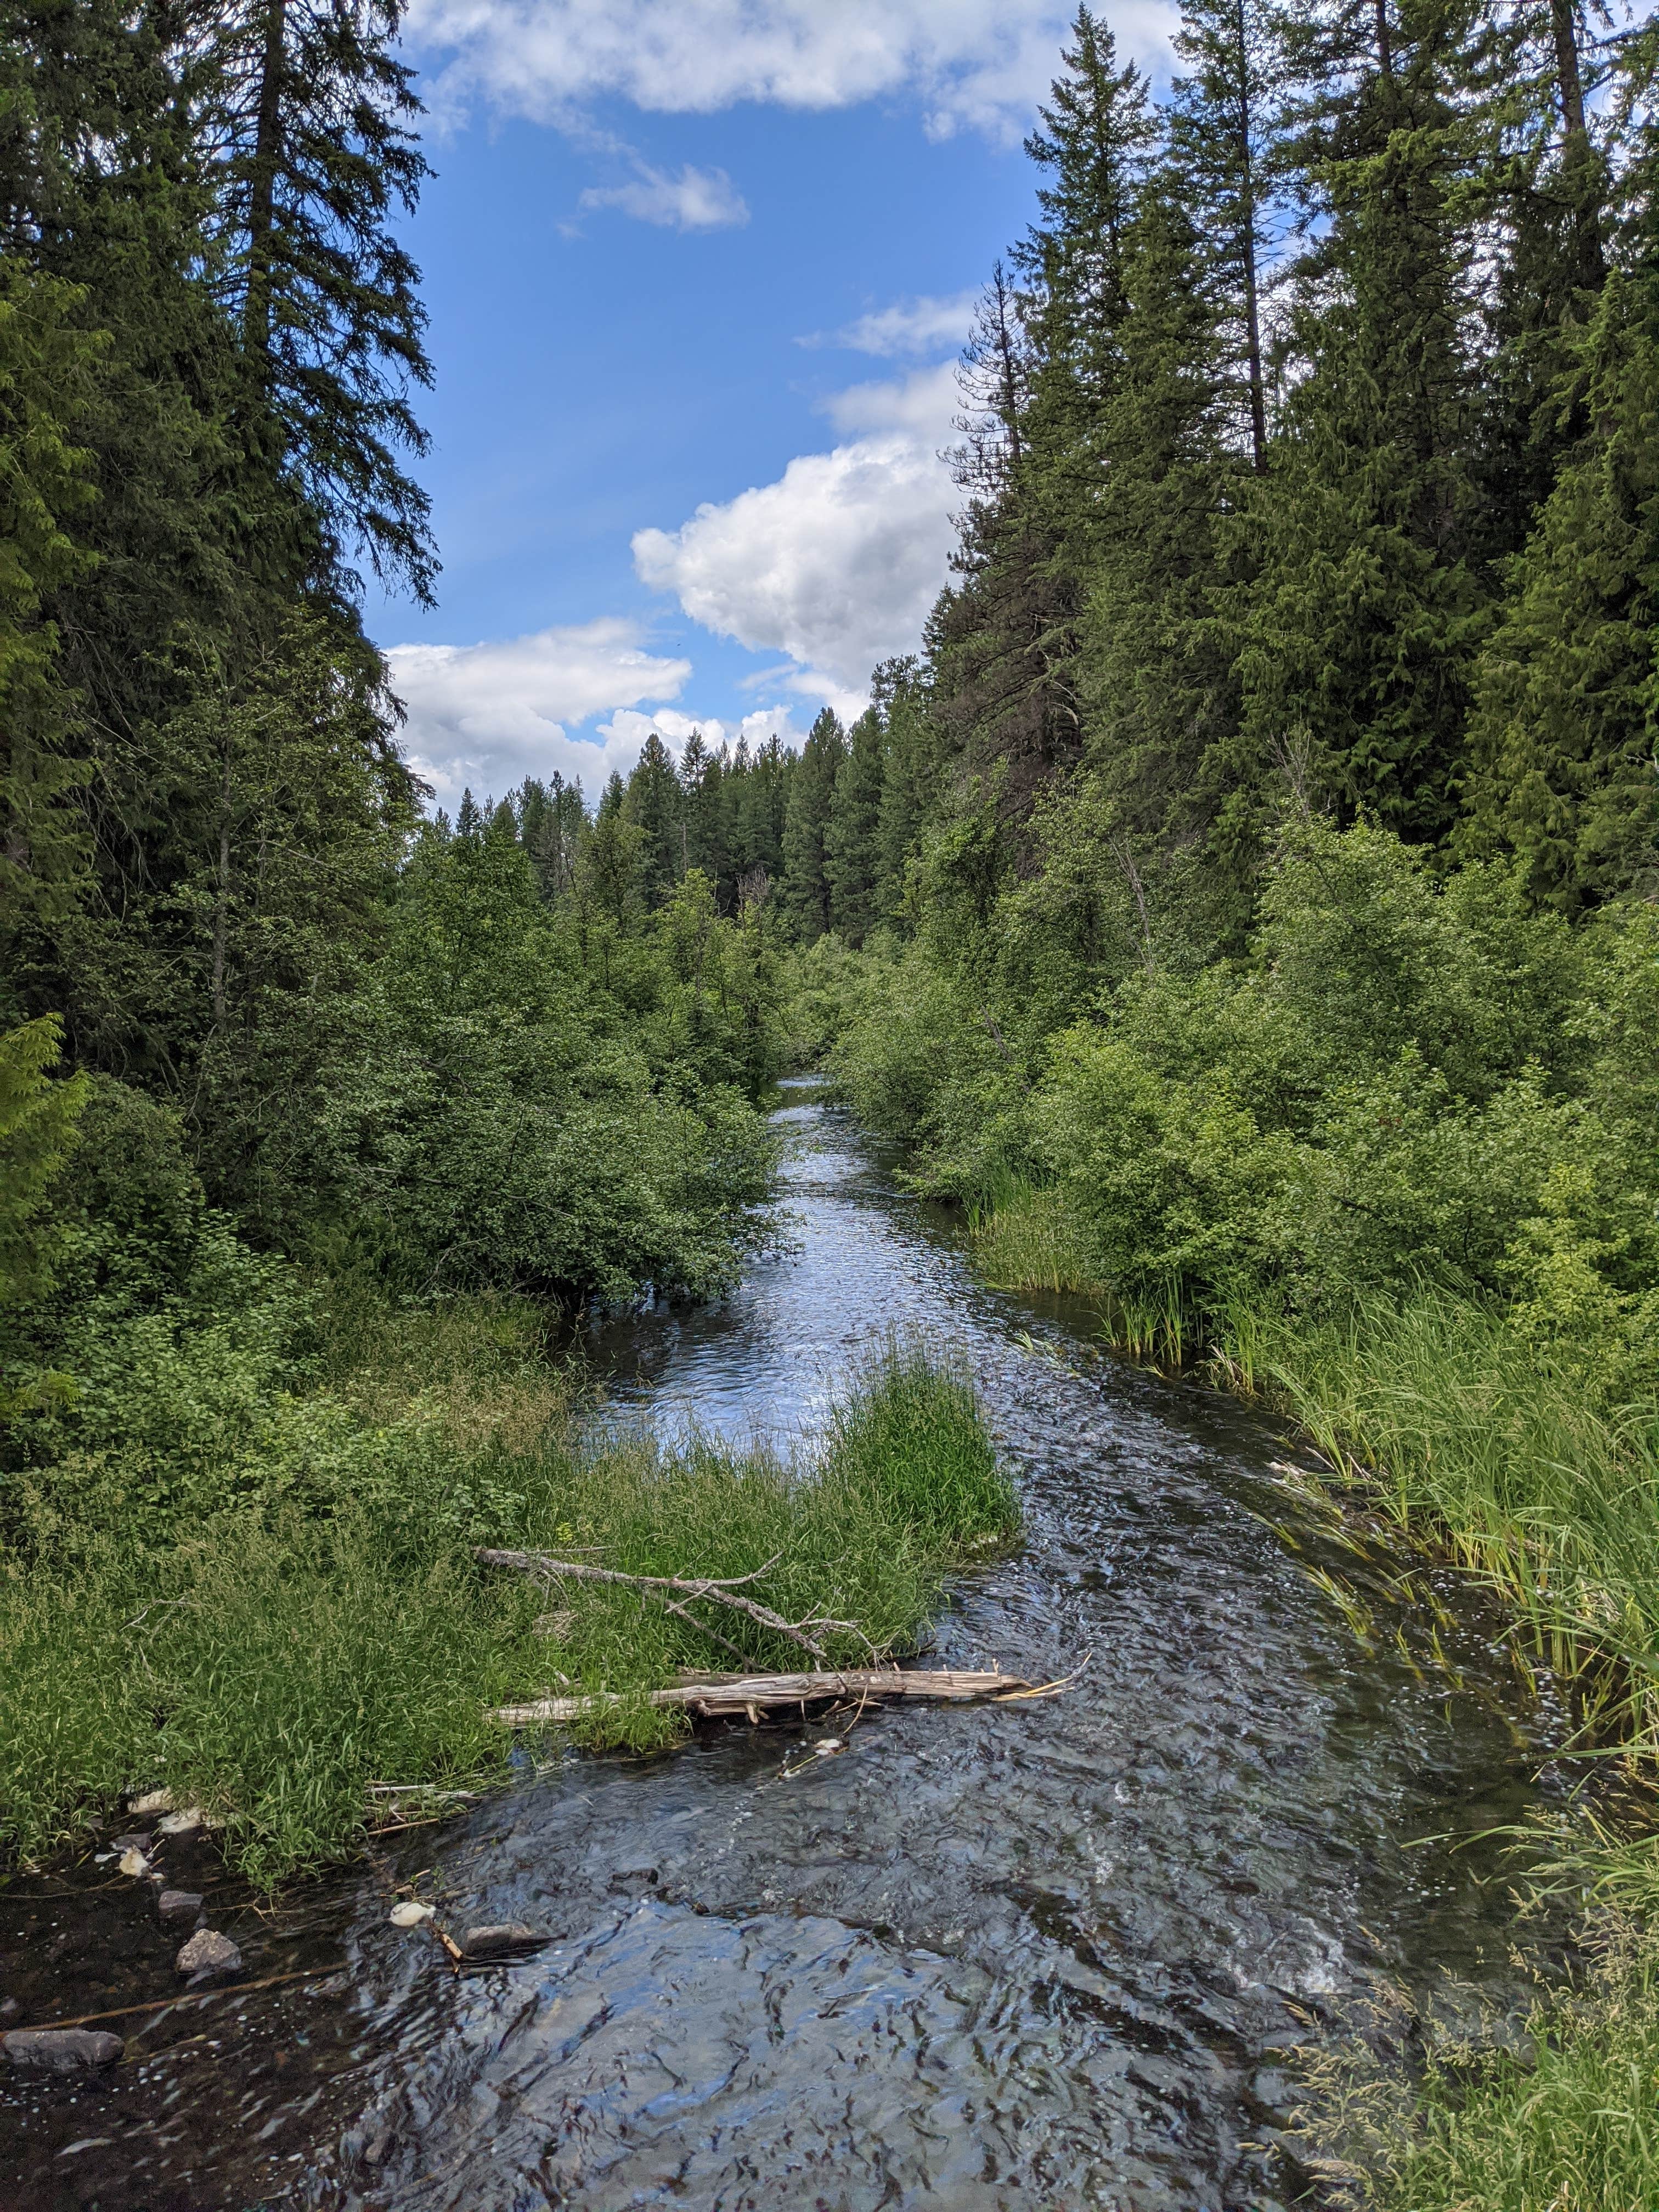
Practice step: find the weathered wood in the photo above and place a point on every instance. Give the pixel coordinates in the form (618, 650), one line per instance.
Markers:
(711, 1695)
(545, 1569)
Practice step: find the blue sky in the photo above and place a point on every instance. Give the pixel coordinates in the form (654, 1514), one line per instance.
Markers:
(696, 274)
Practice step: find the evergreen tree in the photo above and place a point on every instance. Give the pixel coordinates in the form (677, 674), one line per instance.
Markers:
(655, 807)
(760, 785)
(1358, 628)
(852, 837)
(1011, 683)
(1223, 130)
(42, 486)
(806, 893)
(1563, 730)
(911, 774)
(311, 115)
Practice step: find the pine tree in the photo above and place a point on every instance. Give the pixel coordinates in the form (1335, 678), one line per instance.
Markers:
(1358, 628)
(655, 807)
(311, 114)
(806, 895)
(43, 486)
(852, 838)
(1157, 684)
(1562, 732)
(1042, 365)
(910, 780)
(1223, 132)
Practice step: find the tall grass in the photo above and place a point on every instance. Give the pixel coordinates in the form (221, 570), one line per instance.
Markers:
(273, 1658)
(1558, 2117)
(1468, 1436)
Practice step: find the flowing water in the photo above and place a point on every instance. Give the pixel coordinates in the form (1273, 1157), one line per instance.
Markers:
(1028, 1955)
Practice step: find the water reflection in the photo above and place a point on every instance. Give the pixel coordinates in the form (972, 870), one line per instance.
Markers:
(1000, 1956)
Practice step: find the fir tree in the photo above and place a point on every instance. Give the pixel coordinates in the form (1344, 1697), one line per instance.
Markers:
(311, 111)
(806, 893)
(1562, 730)
(852, 838)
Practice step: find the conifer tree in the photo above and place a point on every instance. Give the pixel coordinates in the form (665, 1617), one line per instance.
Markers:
(312, 112)
(655, 807)
(1223, 128)
(1563, 732)
(806, 893)
(1043, 364)
(852, 839)
(1358, 628)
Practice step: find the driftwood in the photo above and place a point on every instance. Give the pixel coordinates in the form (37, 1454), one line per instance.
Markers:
(711, 1695)
(729, 1593)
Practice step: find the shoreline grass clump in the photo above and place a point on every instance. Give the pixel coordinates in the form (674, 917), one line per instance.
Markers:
(326, 1627)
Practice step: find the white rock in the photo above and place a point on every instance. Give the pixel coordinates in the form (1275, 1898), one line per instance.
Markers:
(183, 1824)
(153, 1800)
(407, 1913)
(133, 1862)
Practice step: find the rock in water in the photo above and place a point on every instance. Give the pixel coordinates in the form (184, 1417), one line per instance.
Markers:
(62, 2050)
(209, 1953)
(408, 1913)
(178, 1904)
(496, 1942)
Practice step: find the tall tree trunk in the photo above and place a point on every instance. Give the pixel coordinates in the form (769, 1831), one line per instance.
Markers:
(1578, 165)
(1247, 209)
(262, 197)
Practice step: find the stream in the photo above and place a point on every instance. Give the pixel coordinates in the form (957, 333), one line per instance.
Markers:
(1033, 1955)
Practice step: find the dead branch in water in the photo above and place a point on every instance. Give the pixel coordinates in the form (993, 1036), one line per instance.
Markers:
(711, 1695)
(546, 1569)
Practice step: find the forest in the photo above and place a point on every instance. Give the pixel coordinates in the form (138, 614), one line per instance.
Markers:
(1241, 906)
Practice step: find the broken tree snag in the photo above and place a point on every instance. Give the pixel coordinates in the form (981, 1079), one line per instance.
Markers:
(729, 1593)
(711, 1695)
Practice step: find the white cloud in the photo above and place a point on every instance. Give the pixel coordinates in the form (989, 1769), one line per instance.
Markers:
(837, 563)
(908, 329)
(697, 199)
(490, 715)
(629, 727)
(979, 63)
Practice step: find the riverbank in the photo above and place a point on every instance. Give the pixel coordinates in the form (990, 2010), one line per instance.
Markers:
(1438, 1419)
(288, 1612)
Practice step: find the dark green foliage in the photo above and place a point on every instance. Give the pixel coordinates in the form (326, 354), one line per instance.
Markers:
(851, 836)
(1562, 730)
(807, 895)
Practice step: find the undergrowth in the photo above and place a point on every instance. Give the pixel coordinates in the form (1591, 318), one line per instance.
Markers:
(302, 1616)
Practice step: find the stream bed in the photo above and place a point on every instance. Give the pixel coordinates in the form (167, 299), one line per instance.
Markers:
(1031, 1956)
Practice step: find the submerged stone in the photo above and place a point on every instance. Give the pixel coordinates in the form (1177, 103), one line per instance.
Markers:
(62, 2050)
(494, 1942)
(209, 1953)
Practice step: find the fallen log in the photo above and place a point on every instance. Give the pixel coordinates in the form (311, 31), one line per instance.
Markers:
(711, 1695)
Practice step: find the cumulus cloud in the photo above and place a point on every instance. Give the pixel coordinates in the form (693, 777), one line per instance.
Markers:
(696, 199)
(907, 330)
(629, 729)
(836, 562)
(490, 715)
(978, 63)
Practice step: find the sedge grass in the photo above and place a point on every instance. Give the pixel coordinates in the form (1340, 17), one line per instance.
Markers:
(329, 1628)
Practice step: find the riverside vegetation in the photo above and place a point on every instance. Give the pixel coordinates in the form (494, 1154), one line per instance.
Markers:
(1243, 906)
(314, 1111)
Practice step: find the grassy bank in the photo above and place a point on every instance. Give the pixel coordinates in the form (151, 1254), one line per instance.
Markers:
(273, 1609)
(1436, 1414)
